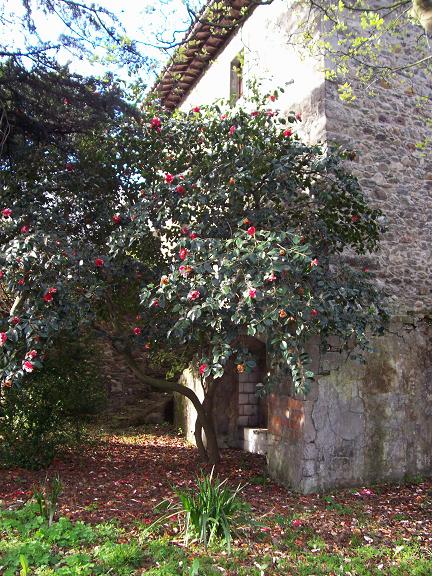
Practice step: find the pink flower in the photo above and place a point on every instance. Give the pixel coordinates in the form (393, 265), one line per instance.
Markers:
(28, 366)
(7, 212)
(169, 178)
(1, 273)
(25, 229)
(202, 369)
(3, 338)
(223, 117)
(251, 230)
(366, 269)
(155, 123)
(184, 230)
(183, 252)
(314, 262)
(314, 313)
(194, 295)
(99, 262)
(254, 114)
(48, 297)
(288, 133)
(180, 189)
(272, 97)
(52, 290)
(31, 354)
(185, 270)
(196, 109)
(298, 116)
(15, 320)
(155, 303)
(355, 218)
(232, 130)
(271, 278)
(366, 492)
(147, 346)
(21, 282)
(270, 113)
(116, 219)
(297, 523)
(137, 331)
(252, 292)
(193, 235)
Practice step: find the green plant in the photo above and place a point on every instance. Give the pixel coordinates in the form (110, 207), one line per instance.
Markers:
(208, 513)
(25, 569)
(38, 421)
(47, 497)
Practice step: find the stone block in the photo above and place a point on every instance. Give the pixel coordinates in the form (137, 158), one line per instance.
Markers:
(250, 409)
(243, 420)
(243, 399)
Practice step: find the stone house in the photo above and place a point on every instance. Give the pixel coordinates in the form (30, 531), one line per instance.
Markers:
(359, 423)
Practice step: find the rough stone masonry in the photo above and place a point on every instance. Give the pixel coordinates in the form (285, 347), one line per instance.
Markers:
(371, 422)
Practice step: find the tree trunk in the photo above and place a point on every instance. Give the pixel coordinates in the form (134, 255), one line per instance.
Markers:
(208, 452)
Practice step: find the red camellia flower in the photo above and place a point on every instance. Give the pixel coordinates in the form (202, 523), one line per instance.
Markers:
(48, 297)
(314, 262)
(1, 273)
(3, 338)
(287, 133)
(116, 219)
(355, 218)
(196, 109)
(272, 97)
(271, 278)
(99, 262)
(24, 229)
(193, 235)
(180, 189)
(202, 369)
(155, 303)
(252, 292)
(7, 212)
(183, 252)
(32, 354)
(15, 320)
(223, 117)
(251, 230)
(232, 130)
(169, 178)
(184, 230)
(28, 366)
(366, 269)
(297, 523)
(155, 123)
(254, 114)
(69, 166)
(185, 270)
(21, 282)
(314, 312)
(52, 290)
(194, 295)
(137, 331)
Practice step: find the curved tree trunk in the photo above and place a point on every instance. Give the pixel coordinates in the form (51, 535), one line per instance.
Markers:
(209, 451)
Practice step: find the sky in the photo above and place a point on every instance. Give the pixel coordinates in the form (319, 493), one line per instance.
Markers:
(144, 20)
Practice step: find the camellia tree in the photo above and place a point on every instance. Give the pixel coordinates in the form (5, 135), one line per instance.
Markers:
(226, 226)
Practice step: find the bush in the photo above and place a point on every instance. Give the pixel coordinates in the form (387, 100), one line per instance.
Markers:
(37, 421)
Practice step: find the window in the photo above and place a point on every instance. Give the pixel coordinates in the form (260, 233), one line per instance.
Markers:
(236, 78)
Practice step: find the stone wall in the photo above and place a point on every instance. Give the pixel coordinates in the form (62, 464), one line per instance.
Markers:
(360, 423)
(371, 422)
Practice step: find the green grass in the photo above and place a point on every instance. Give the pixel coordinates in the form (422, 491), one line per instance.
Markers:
(78, 549)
